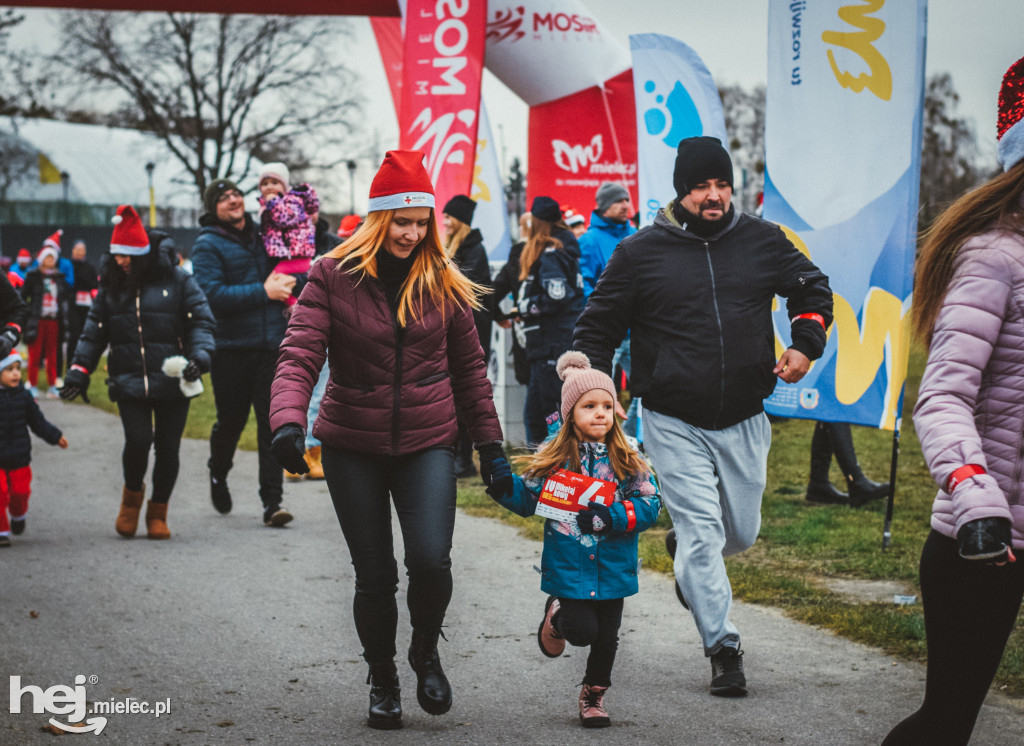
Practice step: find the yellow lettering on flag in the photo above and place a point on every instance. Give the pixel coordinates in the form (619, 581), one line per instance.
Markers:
(879, 80)
(481, 191)
(48, 173)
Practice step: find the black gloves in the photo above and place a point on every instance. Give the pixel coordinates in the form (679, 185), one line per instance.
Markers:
(594, 519)
(289, 447)
(986, 539)
(8, 339)
(76, 383)
(495, 469)
(192, 372)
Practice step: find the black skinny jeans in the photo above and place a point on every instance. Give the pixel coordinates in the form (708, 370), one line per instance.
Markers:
(158, 423)
(241, 379)
(595, 623)
(422, 487)
(543, 396)
(969, 611)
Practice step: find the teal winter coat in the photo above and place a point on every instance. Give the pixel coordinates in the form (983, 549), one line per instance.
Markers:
(591, 566)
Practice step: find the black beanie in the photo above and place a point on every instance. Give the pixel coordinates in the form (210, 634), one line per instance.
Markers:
(461, 208)
(214, 192)
(699, 159)
(547, 209)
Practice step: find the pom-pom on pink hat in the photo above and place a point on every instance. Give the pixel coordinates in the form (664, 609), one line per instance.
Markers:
(129, 236)
(401, 181)
(579, 378)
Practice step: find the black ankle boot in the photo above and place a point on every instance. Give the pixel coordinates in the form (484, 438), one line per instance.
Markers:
(862, 489)
(385, 697)
(819, 488)
(433, 691)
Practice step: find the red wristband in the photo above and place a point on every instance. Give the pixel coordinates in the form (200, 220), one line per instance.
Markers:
(964, 472)
(811, 317)
(15, 327)
(630, 515)
(80, 369)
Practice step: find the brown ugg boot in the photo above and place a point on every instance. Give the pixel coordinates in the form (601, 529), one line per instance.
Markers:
(128, 517)
(156, 521)
(316, 468)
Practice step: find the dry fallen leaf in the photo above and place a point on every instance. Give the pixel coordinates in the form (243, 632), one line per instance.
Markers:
(35, 615)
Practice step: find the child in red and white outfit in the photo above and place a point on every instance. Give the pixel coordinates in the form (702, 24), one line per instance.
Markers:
(289, 234)
(48, 296)
(18, 414)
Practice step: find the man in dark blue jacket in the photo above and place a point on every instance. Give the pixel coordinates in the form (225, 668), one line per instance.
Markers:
(695, 291)
(247, 299)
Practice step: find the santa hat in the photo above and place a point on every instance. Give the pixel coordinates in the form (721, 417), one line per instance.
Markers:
(1010, 121)
(401, 181)
(573, 218)
(574, 368)
(348, 226)
(14, 357)
(129, 237)
(47, 251)
(24, 254)
(277, 171)
(53, 241)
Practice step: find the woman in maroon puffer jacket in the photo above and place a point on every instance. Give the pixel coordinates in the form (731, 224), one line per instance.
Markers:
(394, 318)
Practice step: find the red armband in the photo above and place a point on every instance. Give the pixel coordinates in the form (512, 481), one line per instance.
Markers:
(811, 317)
(80, 369)
(964, 472)
(15, 327)
(630, 515)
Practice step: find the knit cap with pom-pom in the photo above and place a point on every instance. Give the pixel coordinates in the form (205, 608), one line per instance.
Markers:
(579, 378)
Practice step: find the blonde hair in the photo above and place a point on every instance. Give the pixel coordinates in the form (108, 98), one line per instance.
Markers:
(455, 240)
(563, 451)
(433, 274)
(994, 203)
(540, 239)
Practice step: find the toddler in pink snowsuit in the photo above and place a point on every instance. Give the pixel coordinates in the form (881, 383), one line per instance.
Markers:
(286, 222)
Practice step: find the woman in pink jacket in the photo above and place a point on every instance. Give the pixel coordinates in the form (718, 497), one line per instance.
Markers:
(969, 310)
(393, 317)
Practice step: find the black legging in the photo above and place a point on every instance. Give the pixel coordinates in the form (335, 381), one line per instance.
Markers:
(595, 623)
(969, 611)
(422, 486)
(158, 423)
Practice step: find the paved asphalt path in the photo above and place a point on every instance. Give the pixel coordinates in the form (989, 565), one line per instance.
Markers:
(247, 631)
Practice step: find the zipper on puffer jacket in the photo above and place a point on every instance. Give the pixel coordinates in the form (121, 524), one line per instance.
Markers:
(718, 321)
(142, 342)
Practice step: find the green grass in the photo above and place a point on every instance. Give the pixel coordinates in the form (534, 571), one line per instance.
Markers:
(800, 546)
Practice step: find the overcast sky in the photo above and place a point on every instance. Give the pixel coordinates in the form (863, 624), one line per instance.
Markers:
(974, 41)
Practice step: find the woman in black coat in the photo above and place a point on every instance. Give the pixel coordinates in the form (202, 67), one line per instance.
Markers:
(150, 312)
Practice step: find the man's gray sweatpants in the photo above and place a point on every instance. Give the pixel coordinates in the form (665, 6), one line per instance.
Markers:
(711, 482)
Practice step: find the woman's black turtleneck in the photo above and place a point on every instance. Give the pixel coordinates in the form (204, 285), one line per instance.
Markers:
(392, 271)
(697, 225)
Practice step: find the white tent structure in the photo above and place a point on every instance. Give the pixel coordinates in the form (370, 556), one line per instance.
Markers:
(104, 167)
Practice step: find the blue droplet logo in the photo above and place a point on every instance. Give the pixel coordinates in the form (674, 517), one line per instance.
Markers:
(678, 116)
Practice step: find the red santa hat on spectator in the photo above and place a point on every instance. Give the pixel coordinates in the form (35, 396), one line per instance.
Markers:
(401, 181)
(129, 236)
(25, 254)
(14, 357)
(348, 226)
(50, 246)
(1010, 120)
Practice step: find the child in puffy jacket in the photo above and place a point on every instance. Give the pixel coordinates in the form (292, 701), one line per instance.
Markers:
(589, 562)
(287, 224)
(18, 414)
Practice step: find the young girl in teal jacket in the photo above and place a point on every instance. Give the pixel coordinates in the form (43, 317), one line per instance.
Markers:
(589, 564)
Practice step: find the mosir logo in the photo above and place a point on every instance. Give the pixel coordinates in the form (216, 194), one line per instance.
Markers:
(575, 157)
(450, 39)
(508, 23)
(58, 700)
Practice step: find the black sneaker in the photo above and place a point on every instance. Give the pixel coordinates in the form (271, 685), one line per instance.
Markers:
(5, 540)
(727, 679)
(670, 547)
(220, 494)
(17, 526)
(275, 516)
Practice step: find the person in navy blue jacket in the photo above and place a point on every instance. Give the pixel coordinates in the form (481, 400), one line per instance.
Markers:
(589, 563)
(19, 413)
(248, 300)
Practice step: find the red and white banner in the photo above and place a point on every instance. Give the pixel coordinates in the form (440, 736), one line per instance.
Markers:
(582, 140)
(442, 72)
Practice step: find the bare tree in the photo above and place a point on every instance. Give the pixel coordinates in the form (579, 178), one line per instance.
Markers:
(17, 160)
(220, 90)
(744, 123)
(949, 154)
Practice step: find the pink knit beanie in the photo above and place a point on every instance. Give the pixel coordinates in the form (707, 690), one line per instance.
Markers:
(574, 368)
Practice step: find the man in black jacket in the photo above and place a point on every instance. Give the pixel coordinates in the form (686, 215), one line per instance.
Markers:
(695, 291)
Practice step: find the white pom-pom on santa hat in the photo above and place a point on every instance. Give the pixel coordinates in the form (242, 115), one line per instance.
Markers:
(174, 366)
(116, 220)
